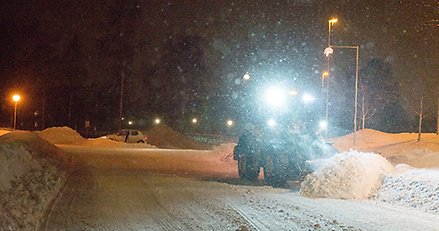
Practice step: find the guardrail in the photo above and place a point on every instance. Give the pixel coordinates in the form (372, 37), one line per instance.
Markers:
(211, 138)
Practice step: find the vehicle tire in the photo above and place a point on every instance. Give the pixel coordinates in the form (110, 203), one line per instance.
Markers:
(140, 142)
(298, 169)
(276, 170)
(248, 169)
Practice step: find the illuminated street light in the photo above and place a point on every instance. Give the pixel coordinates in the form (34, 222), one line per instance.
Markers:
(130, 122)
(331, 22)
(246, 76)
(325, 75)
(16, 98)
(229, 123)
(194, 120)
(308, 98)
(157, 121)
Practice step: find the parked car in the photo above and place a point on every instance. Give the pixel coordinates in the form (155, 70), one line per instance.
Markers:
(128, 136)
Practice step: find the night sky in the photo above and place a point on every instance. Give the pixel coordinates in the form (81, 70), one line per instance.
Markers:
(184, 59)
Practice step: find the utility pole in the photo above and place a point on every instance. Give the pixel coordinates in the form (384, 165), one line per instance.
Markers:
(122, 80)
(328, 52)
(362, 113)
(437, 119)
(43, 110)
(420, 120)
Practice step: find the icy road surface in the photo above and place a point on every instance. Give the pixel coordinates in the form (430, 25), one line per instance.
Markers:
(153, 189)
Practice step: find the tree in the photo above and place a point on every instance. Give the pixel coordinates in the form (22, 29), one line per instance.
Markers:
(382, 91)
(182, 78)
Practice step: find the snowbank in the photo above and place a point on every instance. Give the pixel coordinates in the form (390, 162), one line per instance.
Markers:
(106, 143)
(2, 132)
(61, 135)
(225, 151)
(401, 148)
(350, 175)
(413, 188)
(163, 136)
(32, 173)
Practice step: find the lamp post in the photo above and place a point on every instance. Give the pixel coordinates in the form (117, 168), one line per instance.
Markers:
(325, 75)
(16, 98)
(356, 85)
(328, 52)
(331, 22)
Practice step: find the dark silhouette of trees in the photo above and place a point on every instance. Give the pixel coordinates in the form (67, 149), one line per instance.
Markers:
(181, 84)
(382, 93)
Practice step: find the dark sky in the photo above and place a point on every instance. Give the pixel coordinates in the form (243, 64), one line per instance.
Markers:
(283, 39)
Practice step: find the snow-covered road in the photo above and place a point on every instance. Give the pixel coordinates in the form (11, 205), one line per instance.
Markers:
(153, 189)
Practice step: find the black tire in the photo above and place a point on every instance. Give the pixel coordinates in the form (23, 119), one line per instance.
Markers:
(276, 170)
(140, 142)
(248, 169)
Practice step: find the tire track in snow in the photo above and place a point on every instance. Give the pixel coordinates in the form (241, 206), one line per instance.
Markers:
(159, 213)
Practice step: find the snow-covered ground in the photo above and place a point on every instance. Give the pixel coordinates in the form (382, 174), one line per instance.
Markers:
(387, 175)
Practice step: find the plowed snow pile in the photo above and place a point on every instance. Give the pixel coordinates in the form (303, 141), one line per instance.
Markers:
(356, 175)
(350, 175)
(32, 173)
(61, 135)
(163, 136)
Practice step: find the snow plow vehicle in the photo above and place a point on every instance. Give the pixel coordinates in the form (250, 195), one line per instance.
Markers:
(286, 144)
(282, 155)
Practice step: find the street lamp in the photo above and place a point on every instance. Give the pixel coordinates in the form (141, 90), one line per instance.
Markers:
(331, 22)
(328, 52)
(16, 98)
(246, 76)
(229, 123)
(157, 121)
(325, 75)
(194, 120)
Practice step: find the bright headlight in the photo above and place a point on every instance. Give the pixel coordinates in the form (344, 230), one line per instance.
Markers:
(275, 97)
(271, 123)
(308, 98)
